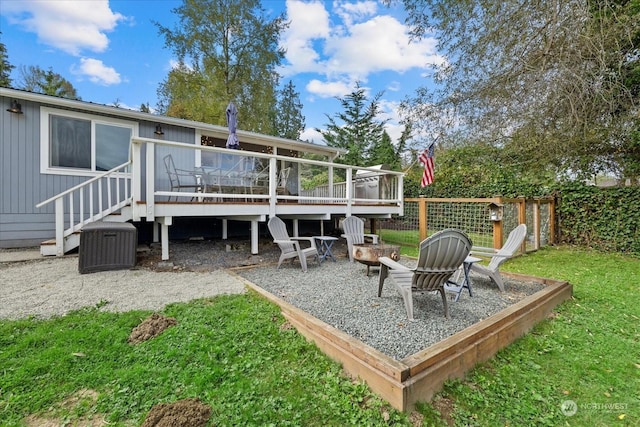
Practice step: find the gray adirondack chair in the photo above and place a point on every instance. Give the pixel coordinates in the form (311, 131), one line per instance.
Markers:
(353, 228)
(440, 256)
(511, 246)
(290, 246)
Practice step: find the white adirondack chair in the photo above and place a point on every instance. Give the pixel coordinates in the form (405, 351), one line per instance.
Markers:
(440, 256)
(353, 228)
(511, 246)
(290, 246)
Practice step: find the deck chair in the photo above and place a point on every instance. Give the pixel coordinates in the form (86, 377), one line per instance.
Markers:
(513, 243)
(353, 228)
(283, 178)
(181, 178)
(440, 256)
(290, 246)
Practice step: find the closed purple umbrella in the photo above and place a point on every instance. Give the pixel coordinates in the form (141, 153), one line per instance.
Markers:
(232, 123)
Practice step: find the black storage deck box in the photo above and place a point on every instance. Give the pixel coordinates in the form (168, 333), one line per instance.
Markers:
(107, 246)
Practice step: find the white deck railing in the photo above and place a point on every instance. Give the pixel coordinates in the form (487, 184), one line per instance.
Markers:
(188, 156)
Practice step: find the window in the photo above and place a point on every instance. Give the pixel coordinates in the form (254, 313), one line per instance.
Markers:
(81, 144)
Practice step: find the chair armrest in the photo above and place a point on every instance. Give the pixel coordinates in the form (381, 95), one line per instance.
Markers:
(489, 254)
(311, 240)
(393, 264)
(290, 241)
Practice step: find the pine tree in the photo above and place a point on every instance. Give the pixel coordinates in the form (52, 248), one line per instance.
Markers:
(289, 121)
(5, 67)
(357, 128)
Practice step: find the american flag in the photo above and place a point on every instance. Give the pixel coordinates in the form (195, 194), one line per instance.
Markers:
(426, 158)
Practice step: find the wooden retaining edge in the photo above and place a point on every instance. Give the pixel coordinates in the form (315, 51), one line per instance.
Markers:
(454, 356)
(419, 376)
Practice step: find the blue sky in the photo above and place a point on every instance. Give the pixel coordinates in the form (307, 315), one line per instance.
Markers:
(111, 50)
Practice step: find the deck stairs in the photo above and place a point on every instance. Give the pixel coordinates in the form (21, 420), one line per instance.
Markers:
(77, 207)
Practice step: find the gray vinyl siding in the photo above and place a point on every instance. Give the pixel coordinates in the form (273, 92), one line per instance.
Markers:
(22, 184)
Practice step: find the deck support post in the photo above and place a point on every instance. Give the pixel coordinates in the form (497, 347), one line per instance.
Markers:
(254, 237)
(224, 229)
(165, 222)
(295, 228)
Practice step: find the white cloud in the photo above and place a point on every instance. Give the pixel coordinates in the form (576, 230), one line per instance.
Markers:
(394, 86)
(379, 44)
(308, 22)
(328, 89)
(358, 44)
(97, 72)
(311, 135)
(71, 26)
(352, 12)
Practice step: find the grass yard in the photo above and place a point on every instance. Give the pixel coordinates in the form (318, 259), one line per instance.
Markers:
(238, 355)
(584, 359)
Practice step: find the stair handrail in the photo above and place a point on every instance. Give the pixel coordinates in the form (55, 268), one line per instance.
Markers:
(74, 226)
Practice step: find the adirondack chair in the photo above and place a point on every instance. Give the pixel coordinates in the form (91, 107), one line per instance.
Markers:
(290, 246)
(513, 243)
(180, 178)
(283, 178)
(440, 256)
(353, 228)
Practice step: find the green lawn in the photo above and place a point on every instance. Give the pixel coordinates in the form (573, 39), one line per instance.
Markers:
(587, 353)
(236, 354)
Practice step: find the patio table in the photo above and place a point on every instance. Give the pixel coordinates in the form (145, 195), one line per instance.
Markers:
(324, 247)
(456, 287)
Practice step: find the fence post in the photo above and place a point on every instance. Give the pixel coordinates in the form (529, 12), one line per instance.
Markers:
(522, 219)
(422, 215)
(497, 227)
(552, 221)
(536, 224)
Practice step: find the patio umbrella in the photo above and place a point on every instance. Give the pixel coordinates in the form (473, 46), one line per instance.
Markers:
(232, 123)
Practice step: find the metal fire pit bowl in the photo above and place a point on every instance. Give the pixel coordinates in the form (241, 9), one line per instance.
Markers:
(369, 254)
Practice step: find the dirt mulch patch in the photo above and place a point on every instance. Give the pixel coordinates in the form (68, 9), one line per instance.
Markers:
(151, 327)
(183, 413)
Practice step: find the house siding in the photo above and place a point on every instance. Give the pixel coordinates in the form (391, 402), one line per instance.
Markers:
(22, 224)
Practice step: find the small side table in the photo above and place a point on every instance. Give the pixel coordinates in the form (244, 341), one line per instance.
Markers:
(456, 288)
(324, 247)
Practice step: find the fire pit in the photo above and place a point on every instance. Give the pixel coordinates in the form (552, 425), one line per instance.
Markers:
(369, 254)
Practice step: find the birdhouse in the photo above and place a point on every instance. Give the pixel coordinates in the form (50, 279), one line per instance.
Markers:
(495, 212)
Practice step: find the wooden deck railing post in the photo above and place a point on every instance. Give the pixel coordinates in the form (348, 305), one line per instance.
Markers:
(422, 217)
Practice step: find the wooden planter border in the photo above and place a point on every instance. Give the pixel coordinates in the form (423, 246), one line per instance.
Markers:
(419, 376)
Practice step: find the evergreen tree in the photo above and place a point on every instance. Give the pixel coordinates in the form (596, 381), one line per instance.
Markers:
(289, 121)
(35, 79)
(357, 128)
(5, 66)
(384, 152)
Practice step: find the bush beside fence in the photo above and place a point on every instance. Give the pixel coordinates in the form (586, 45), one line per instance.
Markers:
(606, 219)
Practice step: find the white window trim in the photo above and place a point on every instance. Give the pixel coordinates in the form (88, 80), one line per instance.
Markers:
(45, 112)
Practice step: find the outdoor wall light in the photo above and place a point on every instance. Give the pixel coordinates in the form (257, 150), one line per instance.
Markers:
(15, 107)
(158, 130)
